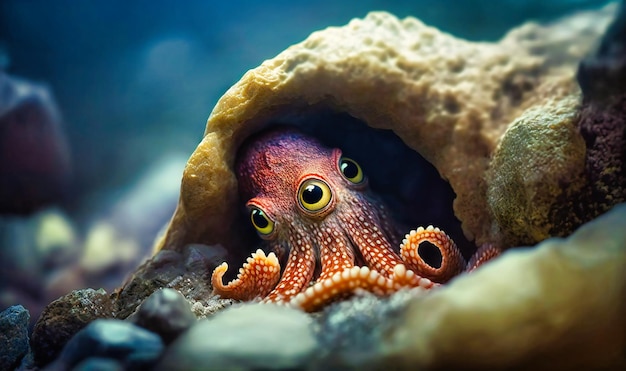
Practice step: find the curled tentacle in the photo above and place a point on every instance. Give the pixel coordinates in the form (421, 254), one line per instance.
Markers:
(432, 253)
(255, 279)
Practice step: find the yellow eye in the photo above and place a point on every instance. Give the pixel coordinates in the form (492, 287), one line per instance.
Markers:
(351, 170)
(314, 195)
(263, 224)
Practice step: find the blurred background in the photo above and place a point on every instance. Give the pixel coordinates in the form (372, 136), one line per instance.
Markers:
(101, 103)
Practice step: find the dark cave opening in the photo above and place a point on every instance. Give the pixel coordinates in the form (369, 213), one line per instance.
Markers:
(409, 185)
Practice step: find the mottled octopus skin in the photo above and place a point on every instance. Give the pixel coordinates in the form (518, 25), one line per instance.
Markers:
(345, 246)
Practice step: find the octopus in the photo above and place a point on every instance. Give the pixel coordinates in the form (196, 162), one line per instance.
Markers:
(313, 205)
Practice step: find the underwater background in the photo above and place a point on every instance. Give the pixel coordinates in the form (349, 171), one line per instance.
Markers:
(131, 85)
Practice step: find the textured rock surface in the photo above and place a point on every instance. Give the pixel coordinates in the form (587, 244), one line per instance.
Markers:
(187, 272)
(447, 98)
(13, 336)
(247, 337)
(66, 316)
(166, 313)
(539, 160)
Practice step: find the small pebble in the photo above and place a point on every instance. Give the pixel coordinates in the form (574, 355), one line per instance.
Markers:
(166, 312)
(133, 346)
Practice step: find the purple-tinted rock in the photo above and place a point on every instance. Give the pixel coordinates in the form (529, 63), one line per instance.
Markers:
(64, 317)
(13, 336)
(34, 157)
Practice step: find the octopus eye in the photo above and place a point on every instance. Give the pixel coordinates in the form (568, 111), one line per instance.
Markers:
(314, 195)
(351, 170)
(263, 224)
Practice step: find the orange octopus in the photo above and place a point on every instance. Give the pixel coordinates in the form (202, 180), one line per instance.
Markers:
(310, 202)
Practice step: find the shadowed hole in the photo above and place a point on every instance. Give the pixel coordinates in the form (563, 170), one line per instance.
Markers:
(430, 254)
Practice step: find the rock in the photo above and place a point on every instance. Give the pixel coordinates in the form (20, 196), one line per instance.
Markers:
(446, 98)
(252, 336)
(13, 336)
(539, 153)
(130, 345)
(64, 317)
(352, 333)
(34, 163)
(186, 272)
(166, 312)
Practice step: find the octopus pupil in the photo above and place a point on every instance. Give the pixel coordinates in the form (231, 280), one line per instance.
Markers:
(349, 169)
(312, 194)
(258, 219)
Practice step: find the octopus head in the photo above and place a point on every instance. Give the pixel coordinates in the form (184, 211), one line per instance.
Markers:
(301, 193)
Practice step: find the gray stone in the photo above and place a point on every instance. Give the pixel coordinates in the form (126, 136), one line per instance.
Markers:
(13, 336)
(352, 332)
(166, 312)
(250, 336)
(131, 345)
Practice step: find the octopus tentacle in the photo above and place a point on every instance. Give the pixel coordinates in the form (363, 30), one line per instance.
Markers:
(336, 254)
(349, 280)
(484, 253)
(451, 264)
(255, 279)
(298, 270)
(387, 224)
(362, 226)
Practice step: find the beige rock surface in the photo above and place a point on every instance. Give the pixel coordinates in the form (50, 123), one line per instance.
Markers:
(447, 98)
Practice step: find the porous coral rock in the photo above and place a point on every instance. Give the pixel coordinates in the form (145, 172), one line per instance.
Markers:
(447, 98)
